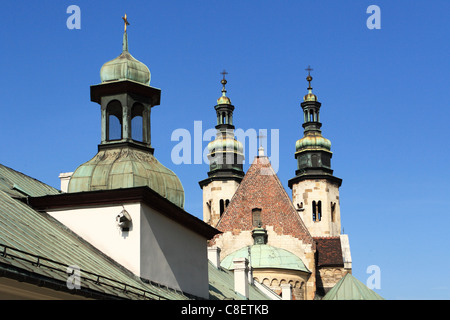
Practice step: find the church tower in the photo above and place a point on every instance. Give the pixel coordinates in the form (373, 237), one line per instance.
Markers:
(315, 191)
(125, 157)
(225, 155)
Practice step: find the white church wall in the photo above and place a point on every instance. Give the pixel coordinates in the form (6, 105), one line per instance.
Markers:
(156, 247)
(98, 226)
(172, 254)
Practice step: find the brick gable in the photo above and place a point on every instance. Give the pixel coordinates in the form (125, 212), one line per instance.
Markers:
(261, 188)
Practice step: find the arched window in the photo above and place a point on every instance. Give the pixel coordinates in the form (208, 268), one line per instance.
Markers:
(319, 210)
(315, 160)
(227, 202)
(137, 122)
(333, 211)
(114, 121)
(314, 211)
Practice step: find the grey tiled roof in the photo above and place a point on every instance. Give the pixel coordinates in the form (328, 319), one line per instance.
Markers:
(35, 244)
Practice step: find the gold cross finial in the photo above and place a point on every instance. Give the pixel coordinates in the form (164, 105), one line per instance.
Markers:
(224, 73)
(309, 78)
(125, 20)
(223, 82)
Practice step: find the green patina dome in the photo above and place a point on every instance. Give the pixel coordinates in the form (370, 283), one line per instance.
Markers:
(120, 167)
(125, 67)
(226, 144)
(313, 141)
(265, 256)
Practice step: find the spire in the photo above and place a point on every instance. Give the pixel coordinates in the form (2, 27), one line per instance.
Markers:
(224, 82)
(224, 99)
(125, 36)
(261, 148)
(125, 66)
(310, 96)
(313, 151)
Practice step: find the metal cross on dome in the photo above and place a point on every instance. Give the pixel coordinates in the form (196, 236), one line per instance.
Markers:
(224, 73)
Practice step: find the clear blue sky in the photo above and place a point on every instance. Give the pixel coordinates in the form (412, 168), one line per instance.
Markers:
(384, 94)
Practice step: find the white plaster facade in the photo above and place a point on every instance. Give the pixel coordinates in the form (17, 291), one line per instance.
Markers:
(155, 247)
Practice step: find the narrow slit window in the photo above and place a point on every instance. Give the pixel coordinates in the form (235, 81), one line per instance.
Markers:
(222, 207)
(319, 210)
(314, 211)
(333, 211)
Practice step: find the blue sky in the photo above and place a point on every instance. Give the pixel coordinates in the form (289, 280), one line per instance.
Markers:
(385, 105)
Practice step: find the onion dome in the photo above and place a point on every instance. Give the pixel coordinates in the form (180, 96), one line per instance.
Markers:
(225, 145)
(125, 67)
(313, 142)
(126, 167)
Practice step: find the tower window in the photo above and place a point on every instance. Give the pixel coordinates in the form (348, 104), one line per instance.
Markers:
(256, 217)
(315, 160)
(137, 122)
(114, 121)
(314, 211)
(317, 211)
(333, 211)
(222, 206)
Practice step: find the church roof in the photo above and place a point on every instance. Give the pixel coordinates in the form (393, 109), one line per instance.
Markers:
(19, 185)
(350, 288)
(261, 188)
(329, 252)
(36, 247)
(127, 167)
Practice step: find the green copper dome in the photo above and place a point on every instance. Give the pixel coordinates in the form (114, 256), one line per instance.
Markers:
(313, 141)
(126, 167)
(265, 256)
(125, 67)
